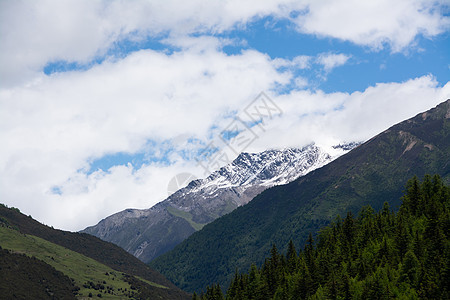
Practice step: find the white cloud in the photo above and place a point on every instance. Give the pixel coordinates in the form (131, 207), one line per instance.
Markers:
(298, 62)
(331, 118)
(300, 82)
(375, 23)
(322, 64)
(86, 199)
(60, 122)
(38, 32)
(330, 60)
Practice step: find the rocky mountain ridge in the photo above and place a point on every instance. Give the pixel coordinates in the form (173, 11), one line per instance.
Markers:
(151, 232)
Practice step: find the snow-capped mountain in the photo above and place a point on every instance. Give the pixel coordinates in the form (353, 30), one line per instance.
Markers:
(151, 232)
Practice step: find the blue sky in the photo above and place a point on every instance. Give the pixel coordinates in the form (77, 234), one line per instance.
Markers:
(280, 40)
(102, 103)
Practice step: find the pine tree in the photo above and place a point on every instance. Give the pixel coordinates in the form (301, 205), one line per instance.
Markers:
(291, 257)
(273, 270)
(410, 269)
(348, 229)
(412, 199)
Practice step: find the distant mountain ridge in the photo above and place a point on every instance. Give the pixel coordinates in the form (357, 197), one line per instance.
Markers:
(151, 232)
(370, 174)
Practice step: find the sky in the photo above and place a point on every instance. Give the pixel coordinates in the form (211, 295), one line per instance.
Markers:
(103, 104)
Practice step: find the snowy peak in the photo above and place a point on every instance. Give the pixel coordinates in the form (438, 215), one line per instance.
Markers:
(249, 174)
(268, 168)
(151, 232)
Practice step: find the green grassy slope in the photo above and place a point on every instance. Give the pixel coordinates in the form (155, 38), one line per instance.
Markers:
(95, 266)
(81, 269)
(374, 172)
(186, 216)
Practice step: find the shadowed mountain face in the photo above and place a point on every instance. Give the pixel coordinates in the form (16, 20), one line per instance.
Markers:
(151, 232)
(23, 277)
(370, 174)
(13, 228)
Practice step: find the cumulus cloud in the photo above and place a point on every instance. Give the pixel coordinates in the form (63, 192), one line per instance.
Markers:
(38, 32)
(374, 23)
(59, 123)
(331, 118)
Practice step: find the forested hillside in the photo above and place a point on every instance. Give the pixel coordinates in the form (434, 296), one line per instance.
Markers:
(384, 255)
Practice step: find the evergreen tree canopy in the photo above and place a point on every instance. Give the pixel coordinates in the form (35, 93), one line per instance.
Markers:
(384, 255)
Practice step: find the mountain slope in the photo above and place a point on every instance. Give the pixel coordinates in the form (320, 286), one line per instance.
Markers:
(82, 257)
(151, 232)
(88, 275)
(23, 276)
(370, 174)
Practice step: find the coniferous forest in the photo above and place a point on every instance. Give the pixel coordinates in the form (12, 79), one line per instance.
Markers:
(384, 255)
